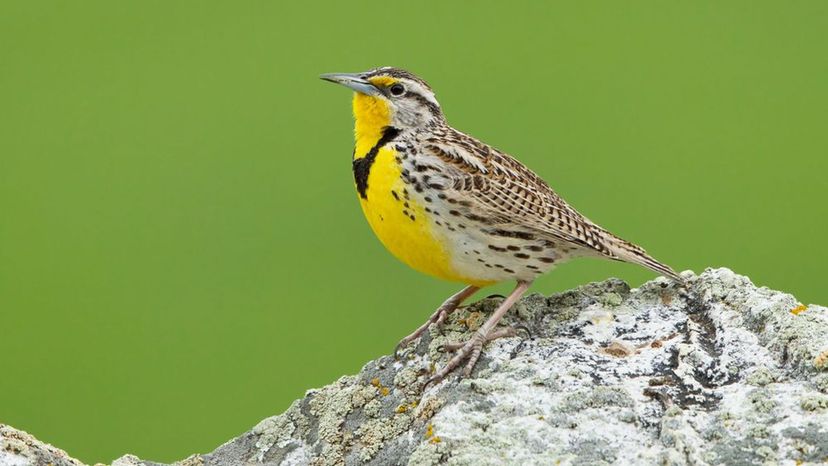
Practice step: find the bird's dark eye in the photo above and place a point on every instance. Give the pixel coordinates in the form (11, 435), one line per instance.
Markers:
(397, 89)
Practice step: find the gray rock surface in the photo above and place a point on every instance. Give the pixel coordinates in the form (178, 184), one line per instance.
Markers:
(722, 373)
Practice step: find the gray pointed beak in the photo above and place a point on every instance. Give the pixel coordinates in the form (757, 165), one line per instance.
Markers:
(353, 81)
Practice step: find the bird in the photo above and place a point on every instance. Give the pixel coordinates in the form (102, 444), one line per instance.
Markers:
(453, 207)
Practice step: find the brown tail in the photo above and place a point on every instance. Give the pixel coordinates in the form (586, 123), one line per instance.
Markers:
(628, 252)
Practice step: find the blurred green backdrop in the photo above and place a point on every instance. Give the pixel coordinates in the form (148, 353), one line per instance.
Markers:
(181, 249)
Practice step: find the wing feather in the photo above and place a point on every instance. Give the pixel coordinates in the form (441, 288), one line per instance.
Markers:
(498, 188)
(501, 188)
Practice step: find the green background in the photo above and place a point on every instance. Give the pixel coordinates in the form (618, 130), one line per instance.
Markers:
(181, 248)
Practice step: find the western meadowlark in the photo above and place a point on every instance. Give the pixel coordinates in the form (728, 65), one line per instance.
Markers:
(456, 208)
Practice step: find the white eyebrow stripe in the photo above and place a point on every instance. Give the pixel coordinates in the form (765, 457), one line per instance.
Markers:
(419, 89)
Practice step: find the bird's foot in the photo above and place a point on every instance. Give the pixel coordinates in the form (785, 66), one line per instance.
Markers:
(469, 352)
(437, 319)
(439, 316)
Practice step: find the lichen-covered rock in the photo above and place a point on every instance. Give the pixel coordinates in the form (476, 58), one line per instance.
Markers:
(721, 373)
(17, 448)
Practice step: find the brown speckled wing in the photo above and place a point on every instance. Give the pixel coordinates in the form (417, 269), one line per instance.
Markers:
(503, 190)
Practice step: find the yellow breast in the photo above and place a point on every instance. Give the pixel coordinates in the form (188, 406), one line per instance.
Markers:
(401, 224)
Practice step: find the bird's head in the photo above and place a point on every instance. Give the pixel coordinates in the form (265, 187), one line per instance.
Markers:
(388, 96)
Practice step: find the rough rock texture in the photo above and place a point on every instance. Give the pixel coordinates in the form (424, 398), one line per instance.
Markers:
(723, 373)
(18, 448)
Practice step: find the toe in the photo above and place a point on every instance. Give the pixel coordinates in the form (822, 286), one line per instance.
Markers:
(473, 357)
(451, 347)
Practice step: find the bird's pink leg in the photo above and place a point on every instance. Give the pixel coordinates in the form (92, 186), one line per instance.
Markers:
(471, 349)
(439, 316)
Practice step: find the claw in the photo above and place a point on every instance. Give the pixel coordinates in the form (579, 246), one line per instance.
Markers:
(520, 345)
(439, 316)
(525, 329)
(397, 351)
(470, 350)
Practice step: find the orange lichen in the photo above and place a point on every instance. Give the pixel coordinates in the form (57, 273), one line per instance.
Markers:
(405, 407)
(473, 320)
(384, 391)
(429, 434)
(799, 309)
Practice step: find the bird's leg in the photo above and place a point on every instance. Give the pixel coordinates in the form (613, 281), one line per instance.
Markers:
(471, 349)
(439, 316)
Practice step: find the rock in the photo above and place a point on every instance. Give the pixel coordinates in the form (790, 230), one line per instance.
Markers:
(17, 448)
(721, 373)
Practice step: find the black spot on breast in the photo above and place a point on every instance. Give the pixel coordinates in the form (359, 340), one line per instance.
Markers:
(521, 255)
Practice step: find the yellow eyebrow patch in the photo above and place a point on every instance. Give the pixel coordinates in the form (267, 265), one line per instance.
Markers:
(384, 81)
